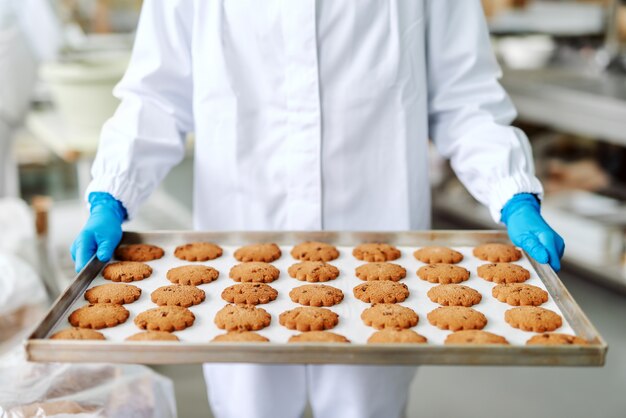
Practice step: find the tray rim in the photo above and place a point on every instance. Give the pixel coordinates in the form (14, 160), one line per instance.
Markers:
(39, 348)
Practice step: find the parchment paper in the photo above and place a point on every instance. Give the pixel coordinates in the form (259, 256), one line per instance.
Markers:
(349, 310)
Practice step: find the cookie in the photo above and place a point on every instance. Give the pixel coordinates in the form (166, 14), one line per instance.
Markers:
(309, 319)
(242, 318)
(474, 337)
(267, 253)
(434, 254)
(153, 336)
(77, 334)
(389, 315)
(198, 251)
(396, 336)
(497, 253)
(138, 252)
(380, 271)
(165, 318)
(126, 271)
(533, 318)
(556, 339)
(255, 272)
(443, 273)
(249, 293)
(318, 337)
(113, 293)
(376, 251)
(178, 295)
(192, 275)
(314, 251)
(313, 271)
(240, 337)
(99, 315)
(381, 291)
(503, 273)
(316, 295)
(457, 318)
(517, 294)
(454, 295)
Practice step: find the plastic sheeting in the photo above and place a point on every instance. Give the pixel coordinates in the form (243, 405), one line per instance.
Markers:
(20, 285)
(29, 390)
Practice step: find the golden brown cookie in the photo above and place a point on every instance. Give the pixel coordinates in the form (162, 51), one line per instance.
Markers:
(165, 318)
(138, 252)
(380, 271)
(99, 315)
(153, 336)
(113, 293)
(316, 295)
(314, 251)
(77, 334)
(309, 319)
(242, 318)
(435, 254)
(240, 337)
(178, 295)
(198, 251)
(454, 295)
(266, 252)
(389, 315)
(457, 318)
(518, 294)
(503, 273)
(249, 293)
(473, 336)
(497, 253)
(556, 339)
(254, 272)
(443, 273)
(376, 251)
(318, 337)
(381, 291)
(533, 318)
(313, 271)
(126, 271)
(192, 275)
(396, 336)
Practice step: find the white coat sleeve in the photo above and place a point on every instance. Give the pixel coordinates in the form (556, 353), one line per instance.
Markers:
(469, 111)
(146, 136)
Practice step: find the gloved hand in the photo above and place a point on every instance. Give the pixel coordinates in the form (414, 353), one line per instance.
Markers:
(102, 232)
(528, 230)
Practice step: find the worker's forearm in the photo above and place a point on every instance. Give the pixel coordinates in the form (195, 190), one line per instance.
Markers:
(145, 137)
(470, 113)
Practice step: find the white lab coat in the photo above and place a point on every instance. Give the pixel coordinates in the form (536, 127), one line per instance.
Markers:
(26, 35)
(312, 115)
(17, 76)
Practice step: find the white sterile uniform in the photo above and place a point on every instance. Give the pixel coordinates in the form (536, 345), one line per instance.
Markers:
(17, 75)
(27, 33)
(312, 115)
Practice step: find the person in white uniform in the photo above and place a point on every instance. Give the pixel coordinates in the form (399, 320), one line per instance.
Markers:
(17, 75)
(27, 35)
(311, 115)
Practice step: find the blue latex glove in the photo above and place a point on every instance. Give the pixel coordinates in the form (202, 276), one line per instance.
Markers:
(528, 230)
(102, 232)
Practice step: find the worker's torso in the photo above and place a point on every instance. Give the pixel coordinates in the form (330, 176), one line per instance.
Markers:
(310, 115)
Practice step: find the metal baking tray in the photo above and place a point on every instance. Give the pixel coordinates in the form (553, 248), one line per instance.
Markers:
(39, 348)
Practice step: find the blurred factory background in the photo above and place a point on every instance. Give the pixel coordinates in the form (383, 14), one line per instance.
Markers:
(564, 65)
